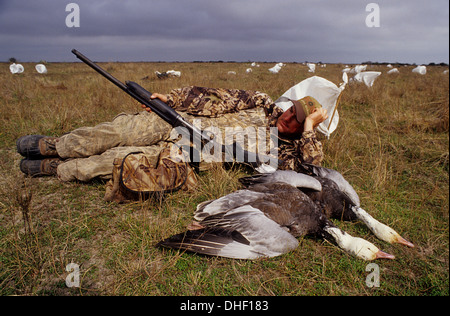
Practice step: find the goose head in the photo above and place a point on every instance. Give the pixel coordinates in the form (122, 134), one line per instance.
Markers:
(356, 246)
(366, 250)
(389, 235)
(380, 230)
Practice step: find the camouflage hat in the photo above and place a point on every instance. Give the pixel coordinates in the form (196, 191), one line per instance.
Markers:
(305, 106)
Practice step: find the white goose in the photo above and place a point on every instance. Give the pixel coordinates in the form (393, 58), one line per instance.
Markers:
(263, 221)
(336, 198)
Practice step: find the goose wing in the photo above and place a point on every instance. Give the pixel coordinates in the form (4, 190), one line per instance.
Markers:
(241, 233)
(227, 202)
(293, 178)
(335, 176)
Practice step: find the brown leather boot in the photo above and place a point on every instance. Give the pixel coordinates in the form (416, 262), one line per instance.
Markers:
(37, 146)
(40, 167)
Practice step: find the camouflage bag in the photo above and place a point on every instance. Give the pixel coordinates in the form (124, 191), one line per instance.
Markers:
(135, 178)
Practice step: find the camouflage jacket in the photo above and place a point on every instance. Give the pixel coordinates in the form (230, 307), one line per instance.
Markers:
(210, 102)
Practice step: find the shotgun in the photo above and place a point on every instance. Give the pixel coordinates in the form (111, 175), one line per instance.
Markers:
(169, 115)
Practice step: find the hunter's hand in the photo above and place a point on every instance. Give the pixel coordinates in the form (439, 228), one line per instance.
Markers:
(314, 119)
(160, 96)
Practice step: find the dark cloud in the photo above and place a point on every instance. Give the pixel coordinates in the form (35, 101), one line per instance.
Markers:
(263, 30)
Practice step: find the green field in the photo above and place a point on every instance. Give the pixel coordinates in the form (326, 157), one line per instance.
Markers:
(392, 145)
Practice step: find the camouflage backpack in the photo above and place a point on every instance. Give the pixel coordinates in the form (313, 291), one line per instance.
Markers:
(135, 178)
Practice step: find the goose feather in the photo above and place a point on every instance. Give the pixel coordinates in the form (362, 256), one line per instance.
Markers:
(241, 233)
(247, 224)
(291, 177)
(335, 176)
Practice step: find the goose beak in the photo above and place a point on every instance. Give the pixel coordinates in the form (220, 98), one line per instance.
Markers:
(383, 255)
(403, 241)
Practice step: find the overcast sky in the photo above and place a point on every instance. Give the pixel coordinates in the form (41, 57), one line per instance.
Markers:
(411, 31)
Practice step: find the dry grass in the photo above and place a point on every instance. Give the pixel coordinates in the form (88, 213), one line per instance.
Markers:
(391, 144)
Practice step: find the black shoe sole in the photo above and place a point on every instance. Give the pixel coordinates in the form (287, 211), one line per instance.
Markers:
(31, 167)
(28, 146)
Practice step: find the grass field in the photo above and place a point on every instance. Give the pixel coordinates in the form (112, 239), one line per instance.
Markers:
(392, 145)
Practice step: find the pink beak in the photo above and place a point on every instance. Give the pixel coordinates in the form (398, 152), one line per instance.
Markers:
(383, 255)
(403, 241)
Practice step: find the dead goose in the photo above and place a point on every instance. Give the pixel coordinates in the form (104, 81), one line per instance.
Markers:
(263, 221)
(336, 198)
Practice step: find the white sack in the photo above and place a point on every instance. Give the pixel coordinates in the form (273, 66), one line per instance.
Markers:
(312, 67)
(324, 91)
(368, 77)
(420, 70)
(358, 68)
(40, 68)
(393, 71)
(275, 69)
(16, 68)
(174, 73)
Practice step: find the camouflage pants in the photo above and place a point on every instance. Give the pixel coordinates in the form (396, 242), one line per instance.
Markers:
(90, 151)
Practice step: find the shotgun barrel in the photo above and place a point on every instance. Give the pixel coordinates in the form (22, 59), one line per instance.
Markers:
(169, 115)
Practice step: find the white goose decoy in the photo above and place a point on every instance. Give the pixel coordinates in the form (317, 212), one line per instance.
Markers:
(337, 198)
(264, 221)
